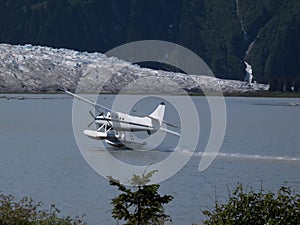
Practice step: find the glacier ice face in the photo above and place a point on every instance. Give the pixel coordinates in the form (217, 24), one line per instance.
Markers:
(30, 68)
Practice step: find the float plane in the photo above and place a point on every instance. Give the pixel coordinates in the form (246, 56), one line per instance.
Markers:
(116, 128)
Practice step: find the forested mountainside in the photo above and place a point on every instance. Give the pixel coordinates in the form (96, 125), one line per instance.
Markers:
(224, 33)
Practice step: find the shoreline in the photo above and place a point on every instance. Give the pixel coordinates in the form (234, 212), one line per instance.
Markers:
(258, 94)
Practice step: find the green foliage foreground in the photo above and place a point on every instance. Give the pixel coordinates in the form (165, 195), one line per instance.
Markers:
(142, 206)
(251, 208)
(28, 212)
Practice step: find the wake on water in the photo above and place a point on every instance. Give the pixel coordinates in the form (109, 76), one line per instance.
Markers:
(224, 155)
(246, 156)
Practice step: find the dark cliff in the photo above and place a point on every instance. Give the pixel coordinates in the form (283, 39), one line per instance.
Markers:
(223, 33)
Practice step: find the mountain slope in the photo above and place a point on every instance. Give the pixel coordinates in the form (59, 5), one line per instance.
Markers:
(223, 33)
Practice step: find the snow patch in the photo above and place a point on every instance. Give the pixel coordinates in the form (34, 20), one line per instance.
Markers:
(30, 68)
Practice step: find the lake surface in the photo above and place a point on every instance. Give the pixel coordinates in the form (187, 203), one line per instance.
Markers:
(39, 156)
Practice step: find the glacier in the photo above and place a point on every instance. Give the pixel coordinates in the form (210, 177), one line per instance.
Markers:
(35, 69)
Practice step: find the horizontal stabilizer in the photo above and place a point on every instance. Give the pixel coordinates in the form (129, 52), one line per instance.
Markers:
(169, 131)
(151, 117)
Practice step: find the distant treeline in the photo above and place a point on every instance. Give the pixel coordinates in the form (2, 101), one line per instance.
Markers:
(223, 33)
(285, 85)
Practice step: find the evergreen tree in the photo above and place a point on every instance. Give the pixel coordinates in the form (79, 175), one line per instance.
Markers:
(142, 206)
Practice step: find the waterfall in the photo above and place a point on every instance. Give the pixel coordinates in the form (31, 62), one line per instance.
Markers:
(240, 20)
(249, 48)
(248, 70)
(249, 75)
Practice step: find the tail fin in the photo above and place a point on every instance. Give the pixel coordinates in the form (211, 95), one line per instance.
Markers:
(158, 113)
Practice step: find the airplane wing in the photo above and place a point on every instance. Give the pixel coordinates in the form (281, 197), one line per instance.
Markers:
(87, 101)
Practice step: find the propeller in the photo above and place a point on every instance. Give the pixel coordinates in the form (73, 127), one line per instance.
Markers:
(100, 113)
(94, 117)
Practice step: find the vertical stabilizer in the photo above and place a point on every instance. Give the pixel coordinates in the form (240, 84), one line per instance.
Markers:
(158, 113)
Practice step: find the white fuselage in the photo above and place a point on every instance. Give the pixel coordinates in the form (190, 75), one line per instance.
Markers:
(124, 122)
